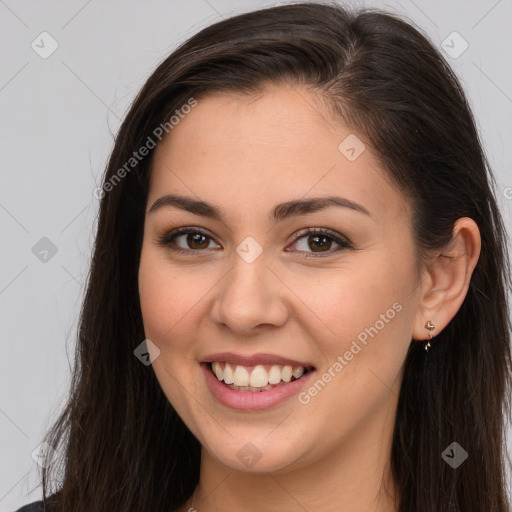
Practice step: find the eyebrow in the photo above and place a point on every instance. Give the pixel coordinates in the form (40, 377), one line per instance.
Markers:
(281, 212)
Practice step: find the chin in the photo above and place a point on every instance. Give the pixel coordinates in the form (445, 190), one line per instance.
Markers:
(254, 454)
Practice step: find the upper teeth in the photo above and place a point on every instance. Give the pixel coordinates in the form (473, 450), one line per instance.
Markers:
(258, 377)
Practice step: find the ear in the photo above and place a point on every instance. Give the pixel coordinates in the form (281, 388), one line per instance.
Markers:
(445, 279)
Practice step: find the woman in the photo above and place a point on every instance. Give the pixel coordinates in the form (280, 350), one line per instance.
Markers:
(297, 299)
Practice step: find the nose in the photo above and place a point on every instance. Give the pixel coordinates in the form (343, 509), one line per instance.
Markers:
(249, 297)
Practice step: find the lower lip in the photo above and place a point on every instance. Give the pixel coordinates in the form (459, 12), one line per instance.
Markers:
(252, 401)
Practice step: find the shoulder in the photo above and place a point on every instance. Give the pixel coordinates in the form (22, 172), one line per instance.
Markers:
(36, 506)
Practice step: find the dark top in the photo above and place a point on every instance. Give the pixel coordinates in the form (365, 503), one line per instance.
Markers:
(36, 506)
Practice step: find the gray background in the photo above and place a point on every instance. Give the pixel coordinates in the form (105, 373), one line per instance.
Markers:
(58, 116)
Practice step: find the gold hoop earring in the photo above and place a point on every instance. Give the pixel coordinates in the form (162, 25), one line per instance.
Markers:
(430, 326)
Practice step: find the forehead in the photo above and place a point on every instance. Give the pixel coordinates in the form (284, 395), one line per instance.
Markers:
(254, 151)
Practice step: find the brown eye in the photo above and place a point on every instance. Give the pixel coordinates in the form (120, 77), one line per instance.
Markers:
(186, 240)
(195, 241)
(320, 241)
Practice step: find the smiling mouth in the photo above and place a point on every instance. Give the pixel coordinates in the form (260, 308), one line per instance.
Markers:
(256, 378)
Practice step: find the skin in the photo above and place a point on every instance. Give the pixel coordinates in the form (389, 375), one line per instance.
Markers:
(245, 155)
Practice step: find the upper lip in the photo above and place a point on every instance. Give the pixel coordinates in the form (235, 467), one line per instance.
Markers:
(253, 360)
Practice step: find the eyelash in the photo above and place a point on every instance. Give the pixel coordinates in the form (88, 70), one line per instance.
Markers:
(167, 238)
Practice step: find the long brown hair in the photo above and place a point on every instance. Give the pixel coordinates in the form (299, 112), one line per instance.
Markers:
(122, 446)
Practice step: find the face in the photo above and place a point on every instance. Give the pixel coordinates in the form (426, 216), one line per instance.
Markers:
(331, 288)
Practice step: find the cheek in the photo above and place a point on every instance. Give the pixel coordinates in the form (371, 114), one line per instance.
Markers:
(163, 299)
(368, 310)
(167, 310)
(352, 299)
